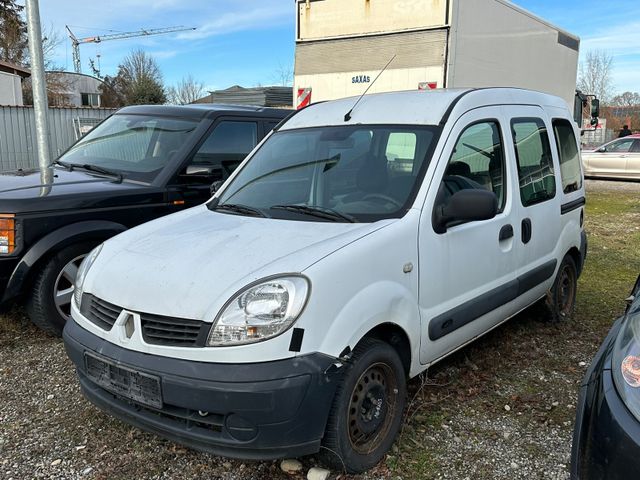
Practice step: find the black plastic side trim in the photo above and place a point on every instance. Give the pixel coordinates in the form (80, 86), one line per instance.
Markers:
(570, 206)
(536, 276)
(296, 340)
(469, 311)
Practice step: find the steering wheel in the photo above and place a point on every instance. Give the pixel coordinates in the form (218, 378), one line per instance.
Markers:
(386, 198)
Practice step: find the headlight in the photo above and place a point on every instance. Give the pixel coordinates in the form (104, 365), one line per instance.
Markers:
(82, 274)
(260, 311)
(7, 233)
(626, 362)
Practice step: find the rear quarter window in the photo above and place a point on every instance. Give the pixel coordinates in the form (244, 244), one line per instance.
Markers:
(570, 170)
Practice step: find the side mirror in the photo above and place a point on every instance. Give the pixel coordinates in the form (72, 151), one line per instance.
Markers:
(465, 206)
(215, 186)
(635, 293)
(199, 171)
(602, 150)
(595, 109)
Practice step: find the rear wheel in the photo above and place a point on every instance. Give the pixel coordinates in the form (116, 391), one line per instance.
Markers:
(49, 302)
(366, 414)
(561, 299)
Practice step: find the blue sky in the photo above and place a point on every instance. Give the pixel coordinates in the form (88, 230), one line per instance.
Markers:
(247, 42)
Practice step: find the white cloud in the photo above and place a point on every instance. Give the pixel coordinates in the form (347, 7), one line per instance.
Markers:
(239, 20)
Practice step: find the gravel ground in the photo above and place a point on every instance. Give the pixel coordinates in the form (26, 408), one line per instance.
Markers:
(502, 408)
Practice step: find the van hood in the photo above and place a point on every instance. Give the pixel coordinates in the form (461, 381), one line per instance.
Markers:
(189, 264)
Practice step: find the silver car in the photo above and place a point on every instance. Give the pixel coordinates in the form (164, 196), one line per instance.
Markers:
(619, 158)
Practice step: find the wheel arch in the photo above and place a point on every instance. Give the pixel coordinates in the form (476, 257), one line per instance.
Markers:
(396, 337)
(52, 243)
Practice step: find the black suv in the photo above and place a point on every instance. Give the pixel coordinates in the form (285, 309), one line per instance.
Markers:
(139, 164)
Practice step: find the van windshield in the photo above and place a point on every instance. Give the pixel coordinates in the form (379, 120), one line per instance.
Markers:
(358, 173)
(137, 147)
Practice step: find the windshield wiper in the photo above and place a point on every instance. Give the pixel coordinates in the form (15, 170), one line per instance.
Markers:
(238, 208)
(90, 168)
(317, 211)
(97, 169)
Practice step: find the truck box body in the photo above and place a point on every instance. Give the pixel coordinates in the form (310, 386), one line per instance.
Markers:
(343, 44)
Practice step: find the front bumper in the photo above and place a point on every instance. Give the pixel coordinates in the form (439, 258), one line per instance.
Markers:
(254, 411)
(606, 439)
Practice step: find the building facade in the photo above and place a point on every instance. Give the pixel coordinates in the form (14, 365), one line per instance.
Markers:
(11, 77)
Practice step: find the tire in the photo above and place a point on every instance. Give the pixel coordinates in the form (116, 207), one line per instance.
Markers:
(367, 410)
(561, 299)
(49, 301)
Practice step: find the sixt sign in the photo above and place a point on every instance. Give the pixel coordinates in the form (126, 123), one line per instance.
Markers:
(361, 79)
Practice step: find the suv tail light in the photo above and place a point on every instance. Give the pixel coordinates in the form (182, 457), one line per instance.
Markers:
(7, 234)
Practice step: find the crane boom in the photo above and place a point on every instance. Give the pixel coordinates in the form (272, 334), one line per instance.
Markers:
(76, 42)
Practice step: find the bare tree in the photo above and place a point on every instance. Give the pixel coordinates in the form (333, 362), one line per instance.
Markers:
(626, 99)
(51, 40)
(283, 75)
(188, 90)
(595, 77)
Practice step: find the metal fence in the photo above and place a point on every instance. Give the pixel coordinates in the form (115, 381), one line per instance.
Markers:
(17, 132)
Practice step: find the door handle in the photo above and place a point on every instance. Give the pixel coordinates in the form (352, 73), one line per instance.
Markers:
(506, 232)
(526, 230)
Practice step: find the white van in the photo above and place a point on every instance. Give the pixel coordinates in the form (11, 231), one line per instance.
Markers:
(350, 251)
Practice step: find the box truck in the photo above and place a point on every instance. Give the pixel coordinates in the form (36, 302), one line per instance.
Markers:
(342, 45)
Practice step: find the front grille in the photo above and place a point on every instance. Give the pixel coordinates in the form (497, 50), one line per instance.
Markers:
(178, 332)
(103, 314)
(156, 329)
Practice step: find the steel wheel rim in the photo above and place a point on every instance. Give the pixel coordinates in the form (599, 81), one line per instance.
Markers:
(566, 290)
(372, 408)
(65, 285)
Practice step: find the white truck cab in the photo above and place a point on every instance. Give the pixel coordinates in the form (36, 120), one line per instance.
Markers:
(346, 254)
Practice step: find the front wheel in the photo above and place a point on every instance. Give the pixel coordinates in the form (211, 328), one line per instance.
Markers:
(366, 414)
(49, 302)
(561, 299)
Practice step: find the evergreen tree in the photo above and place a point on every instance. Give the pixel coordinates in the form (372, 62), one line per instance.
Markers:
(13, 33)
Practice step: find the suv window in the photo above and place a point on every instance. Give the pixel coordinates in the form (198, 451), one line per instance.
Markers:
(568, 155)
(535, 163)
(227, 145)
(477, 162)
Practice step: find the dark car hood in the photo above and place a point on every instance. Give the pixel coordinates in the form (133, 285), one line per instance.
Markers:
(58, 188)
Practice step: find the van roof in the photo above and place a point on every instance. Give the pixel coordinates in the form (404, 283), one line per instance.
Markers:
(415, 107)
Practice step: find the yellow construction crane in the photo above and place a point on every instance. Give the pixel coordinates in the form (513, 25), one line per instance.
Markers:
(76, 42)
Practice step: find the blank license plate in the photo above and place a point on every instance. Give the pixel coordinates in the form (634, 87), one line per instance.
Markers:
(124, 381)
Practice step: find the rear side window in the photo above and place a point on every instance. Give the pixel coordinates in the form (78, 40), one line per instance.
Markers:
(568, 155)
(401, 151)
(535, 164)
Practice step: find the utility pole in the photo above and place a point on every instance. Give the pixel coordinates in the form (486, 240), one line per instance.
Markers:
(40, 104)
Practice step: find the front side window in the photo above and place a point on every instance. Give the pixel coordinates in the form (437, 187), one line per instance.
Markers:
(226, 146)
(569, 157)
(136, 146)
(477, 162)
(535, 163)
(620, 146)
(365, 173)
